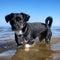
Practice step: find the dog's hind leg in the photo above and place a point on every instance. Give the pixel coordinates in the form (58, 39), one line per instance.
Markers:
(47, 40)
(48, 36)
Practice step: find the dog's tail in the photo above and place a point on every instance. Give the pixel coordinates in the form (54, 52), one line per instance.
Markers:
(49, 21)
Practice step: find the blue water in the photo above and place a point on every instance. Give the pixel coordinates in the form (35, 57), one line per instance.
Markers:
(7, 34)
(56, 31)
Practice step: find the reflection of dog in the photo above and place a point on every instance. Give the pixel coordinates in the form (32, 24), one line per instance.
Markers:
(29, 32)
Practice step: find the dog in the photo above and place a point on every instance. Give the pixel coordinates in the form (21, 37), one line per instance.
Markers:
(29, 33)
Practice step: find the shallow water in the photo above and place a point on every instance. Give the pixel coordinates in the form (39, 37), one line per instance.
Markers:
(37, 52)
(40, 51)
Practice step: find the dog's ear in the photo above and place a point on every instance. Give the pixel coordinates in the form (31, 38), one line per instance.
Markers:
(25, 16)
(9, 17)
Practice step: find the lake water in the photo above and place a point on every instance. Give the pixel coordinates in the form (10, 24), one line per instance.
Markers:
(6, 33)
(38, 52)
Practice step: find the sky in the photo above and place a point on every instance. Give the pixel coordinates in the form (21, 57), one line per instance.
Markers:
(38, 10)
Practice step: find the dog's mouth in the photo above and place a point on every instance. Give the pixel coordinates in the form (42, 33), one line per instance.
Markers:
(24, 41)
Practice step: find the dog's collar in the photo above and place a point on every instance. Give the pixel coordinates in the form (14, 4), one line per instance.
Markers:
(22, 31)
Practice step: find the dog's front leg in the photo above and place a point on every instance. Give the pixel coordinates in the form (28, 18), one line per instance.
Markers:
(19, 40)
(16, 39)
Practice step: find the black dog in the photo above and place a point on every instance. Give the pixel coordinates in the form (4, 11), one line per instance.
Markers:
(28, 33)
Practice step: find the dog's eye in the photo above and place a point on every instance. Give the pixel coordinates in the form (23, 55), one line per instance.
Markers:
(18, 18)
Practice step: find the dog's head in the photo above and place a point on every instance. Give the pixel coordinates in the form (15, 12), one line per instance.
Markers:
(17, 20)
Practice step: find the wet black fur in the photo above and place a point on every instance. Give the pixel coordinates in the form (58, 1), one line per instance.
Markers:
(40, 30)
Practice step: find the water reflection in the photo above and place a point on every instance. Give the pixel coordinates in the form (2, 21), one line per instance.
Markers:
(38, 52)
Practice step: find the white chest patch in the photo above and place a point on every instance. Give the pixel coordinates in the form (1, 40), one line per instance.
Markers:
(19, 32)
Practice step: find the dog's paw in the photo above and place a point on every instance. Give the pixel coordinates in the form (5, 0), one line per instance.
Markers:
(27, 45)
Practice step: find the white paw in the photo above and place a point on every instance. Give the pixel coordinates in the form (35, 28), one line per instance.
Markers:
(27, 45)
